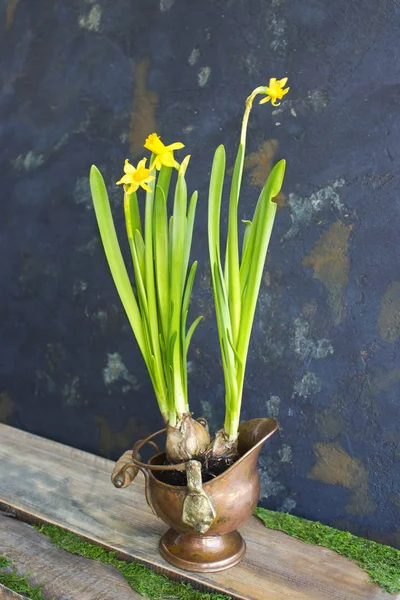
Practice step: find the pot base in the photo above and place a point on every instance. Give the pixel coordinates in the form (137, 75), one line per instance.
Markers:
(204, 554)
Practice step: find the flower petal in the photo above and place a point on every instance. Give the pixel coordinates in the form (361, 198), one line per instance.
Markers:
(154, 144)
(282, 82)
(145, 187)
(156, 164)
(128, 168)
(285, 91)
(142, 163)
(175, 146)
(266, 99)
(167, 159)
(272, 81)
(147, 179)
(274, 102)
(125, 179)
(132, 188)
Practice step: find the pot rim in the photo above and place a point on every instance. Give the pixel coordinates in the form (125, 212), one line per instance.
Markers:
(184, 487)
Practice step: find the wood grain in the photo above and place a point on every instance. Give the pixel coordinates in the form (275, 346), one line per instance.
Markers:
(45, 481)
(6, 594)
(63, 575)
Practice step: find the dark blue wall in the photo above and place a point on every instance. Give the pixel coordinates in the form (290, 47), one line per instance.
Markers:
(84, 82)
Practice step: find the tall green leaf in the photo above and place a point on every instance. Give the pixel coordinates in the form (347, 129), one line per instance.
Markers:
(214, 206)
(114, 256)
(134, 214)
(150, 286)
(262, 233)
(189, 231)
(161, 258)
(232, 277)
(176, 288)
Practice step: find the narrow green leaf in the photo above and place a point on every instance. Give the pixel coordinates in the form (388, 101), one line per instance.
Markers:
(228, 337)
(190, 334)
(161, 257)
(150, 285)
(232, 277)
(134, 214)
(178, 242)
(176, 288)
(139, 281)
(220, 293)
(185, 348)
(139, 245)
(184, 313)
(189, 232)
(221, 308)
(114, 256)
(246, 236)
(224, 330)
(163, 181)
(187, 295)
(231, 396)
(266, 210)
(170, 228)
(214, 205)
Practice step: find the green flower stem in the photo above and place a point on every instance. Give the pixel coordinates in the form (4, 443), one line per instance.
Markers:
(247, 111)
(236, 291)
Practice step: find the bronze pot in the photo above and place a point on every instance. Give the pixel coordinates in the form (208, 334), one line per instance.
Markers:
(231, 497)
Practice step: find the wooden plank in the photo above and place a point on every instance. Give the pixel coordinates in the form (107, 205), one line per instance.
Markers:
(46, 481)
(6, 594)
(63, 575)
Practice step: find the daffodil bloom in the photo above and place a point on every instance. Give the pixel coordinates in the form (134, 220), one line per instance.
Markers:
(135, 177)
(164, 155)
(275, 91)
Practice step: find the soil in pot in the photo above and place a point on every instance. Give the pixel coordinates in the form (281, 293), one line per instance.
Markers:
(211, 468)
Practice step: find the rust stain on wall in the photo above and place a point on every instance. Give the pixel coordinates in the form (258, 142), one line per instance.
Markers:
(331, 265)
(260, 164)
(389, 318)
(10, 13)
(143, 120)
(6, 407)
(118, 441)
(383, 380)
(335, 467)
(329, 423)
(395, 499)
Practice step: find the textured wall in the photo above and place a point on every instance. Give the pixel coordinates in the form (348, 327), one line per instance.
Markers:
(84, 81)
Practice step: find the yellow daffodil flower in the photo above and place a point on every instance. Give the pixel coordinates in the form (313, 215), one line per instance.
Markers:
(275, 91)
(164, 154)
(135, 177)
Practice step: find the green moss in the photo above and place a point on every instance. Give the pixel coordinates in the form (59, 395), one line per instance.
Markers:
(142, 579)
(382, 563)
(18, 583)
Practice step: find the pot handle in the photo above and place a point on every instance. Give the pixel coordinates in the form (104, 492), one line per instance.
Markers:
(149, 440)
(118, 478)
(141, 465)
(146, 467)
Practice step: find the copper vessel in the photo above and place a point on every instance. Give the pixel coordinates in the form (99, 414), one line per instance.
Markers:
(230, 498)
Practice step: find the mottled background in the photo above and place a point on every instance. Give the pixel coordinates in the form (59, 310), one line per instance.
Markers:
(85, 81)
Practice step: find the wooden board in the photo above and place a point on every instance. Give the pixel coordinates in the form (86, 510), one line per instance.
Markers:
(45, 481)
(63, 575)
(6, 594)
